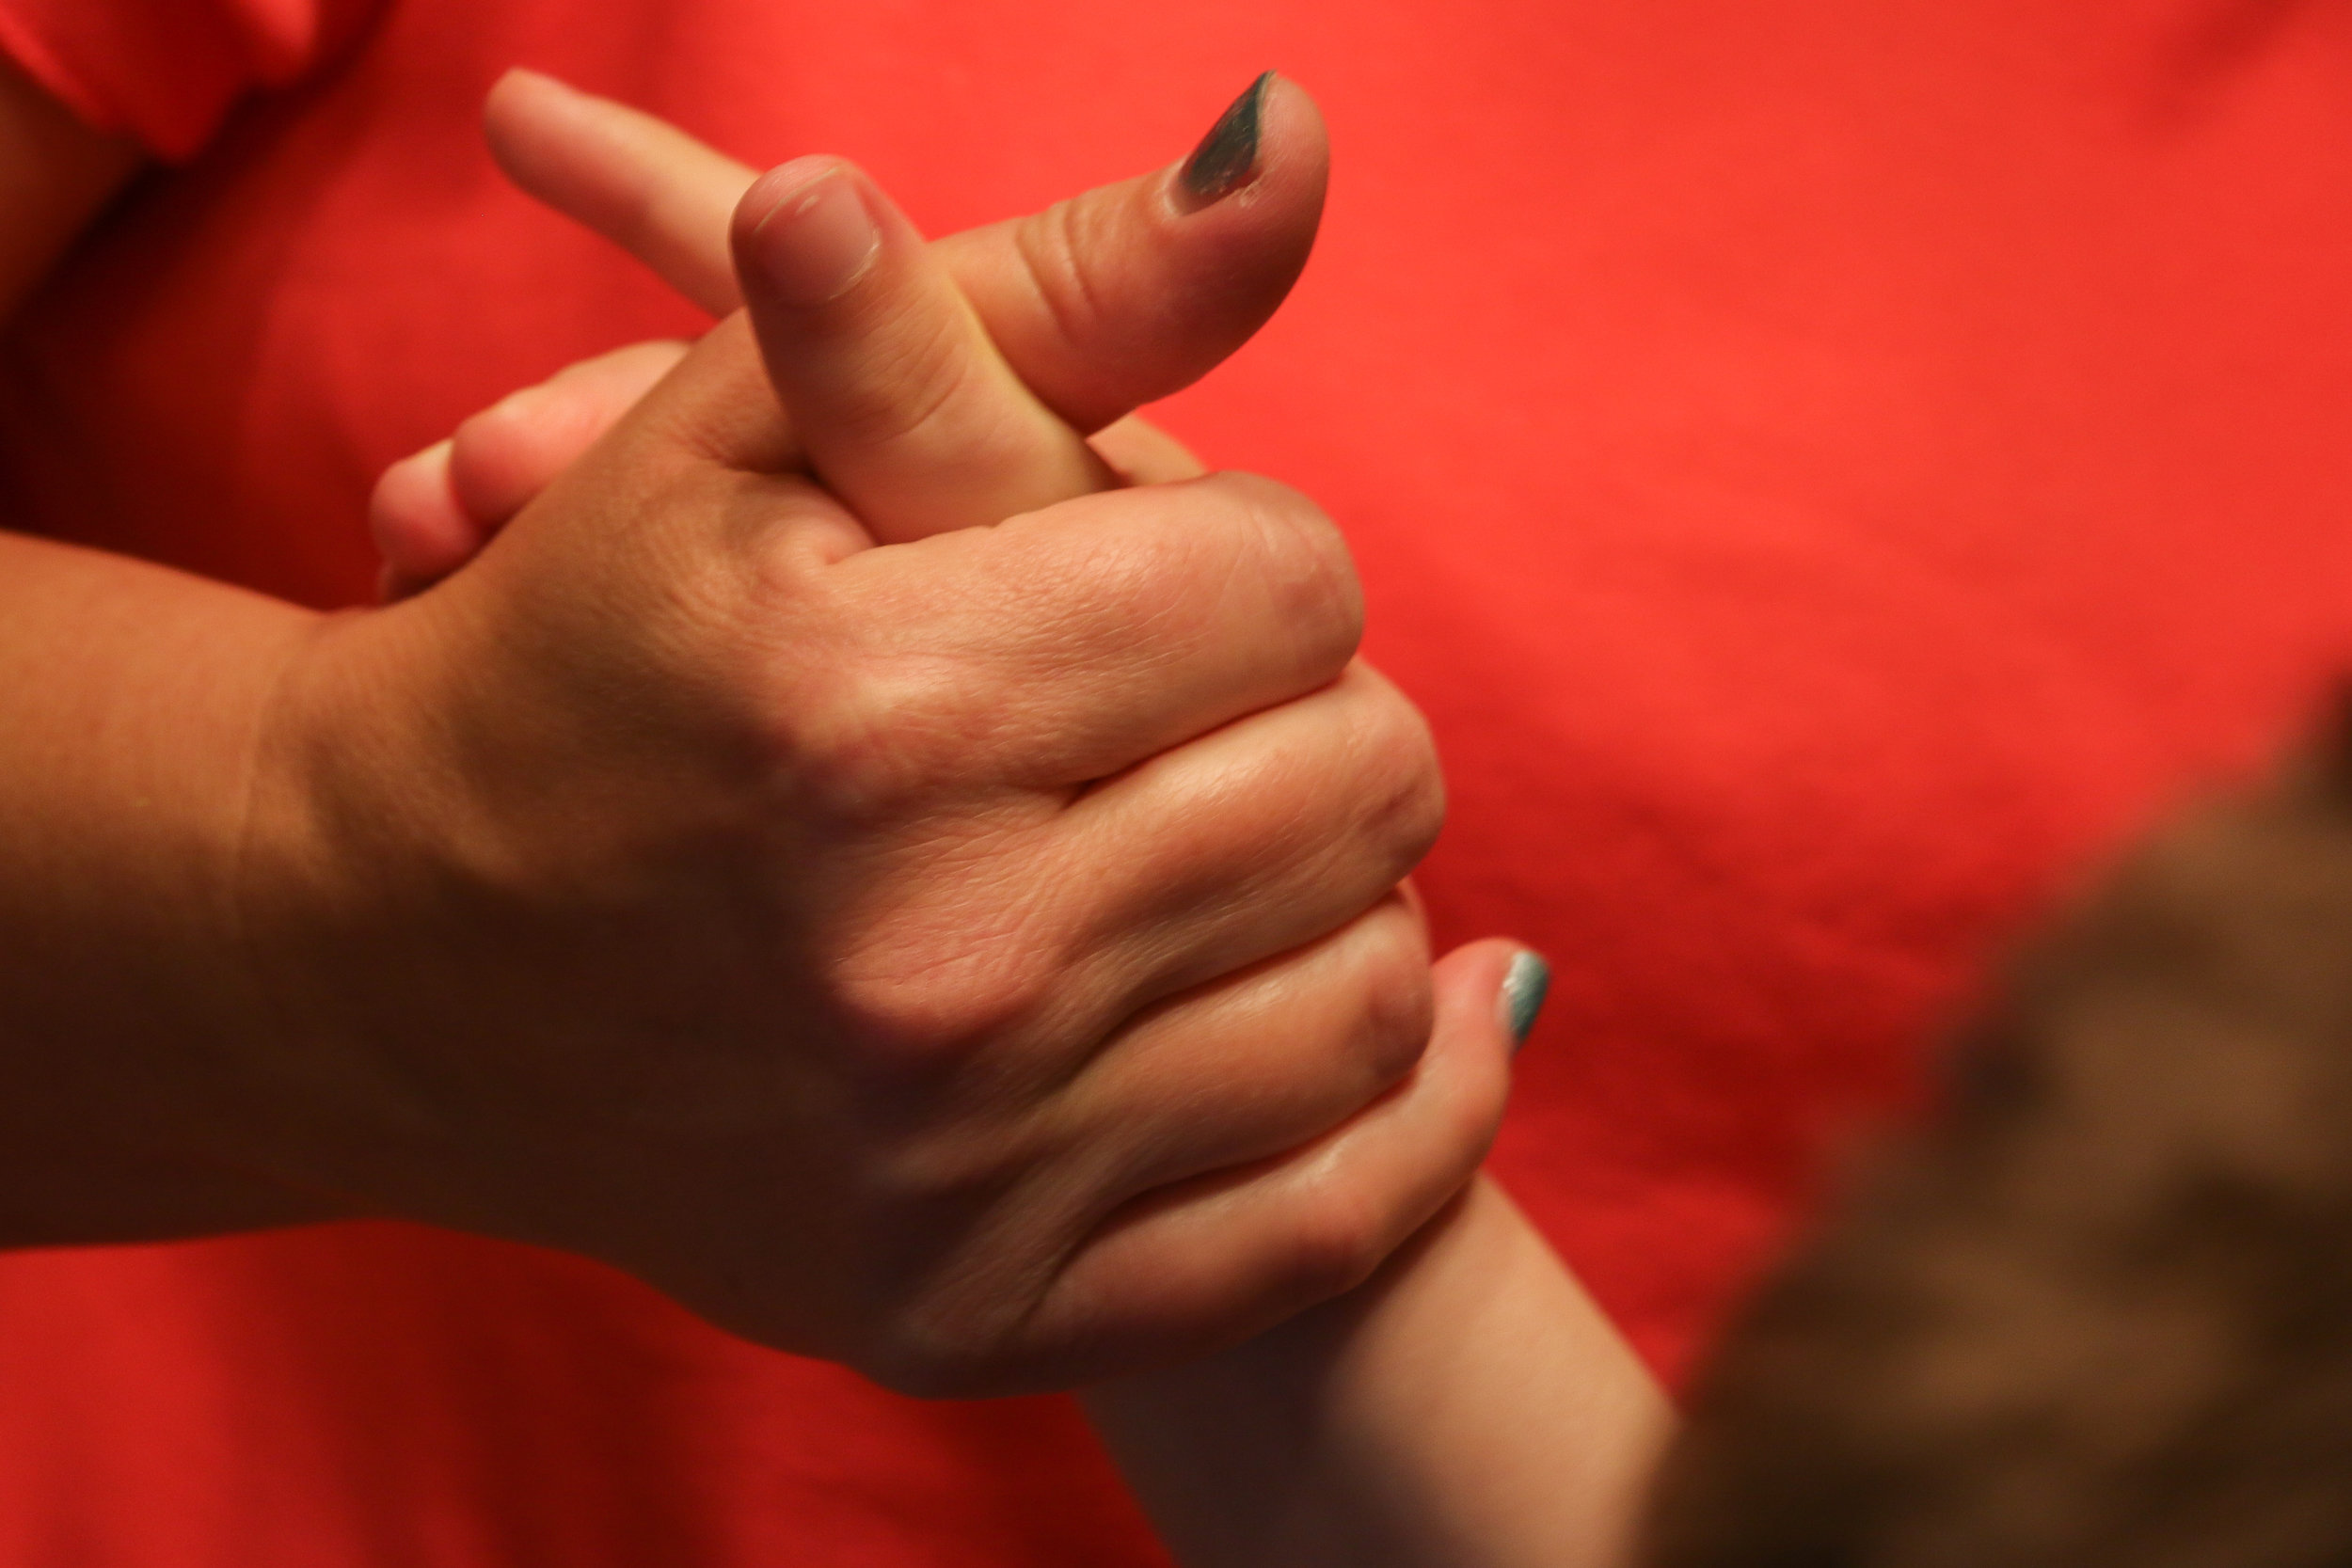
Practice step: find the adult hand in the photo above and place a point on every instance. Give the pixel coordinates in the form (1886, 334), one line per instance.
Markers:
(974, 959)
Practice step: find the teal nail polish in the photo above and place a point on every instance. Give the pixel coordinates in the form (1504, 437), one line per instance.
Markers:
(1228, 155)
(1524, 984)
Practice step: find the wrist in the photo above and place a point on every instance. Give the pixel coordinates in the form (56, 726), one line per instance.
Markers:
(332, 891)
(1467, 1406)
(124, 772)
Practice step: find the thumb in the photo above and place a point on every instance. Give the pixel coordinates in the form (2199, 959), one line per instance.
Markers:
(1134, 290)
(1099, 303)
(902, 403)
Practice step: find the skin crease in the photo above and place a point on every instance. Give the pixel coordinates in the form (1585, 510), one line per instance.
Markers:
(555, 903)
(1469, 1406)
(1115, 267)
(1466, 1407)
(181, 668)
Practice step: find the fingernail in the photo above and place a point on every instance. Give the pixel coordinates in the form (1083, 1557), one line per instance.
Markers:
(1524, 987)
(1228, 155)
(818, 238)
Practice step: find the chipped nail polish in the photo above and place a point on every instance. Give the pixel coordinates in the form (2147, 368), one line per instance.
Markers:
(1524, 984)
(1228, 155)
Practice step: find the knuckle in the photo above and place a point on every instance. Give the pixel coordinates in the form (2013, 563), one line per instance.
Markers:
(1402, 785)
(869, 741)
(1399, 1008)
(920, 378)
(942, 991)
(1305, 566)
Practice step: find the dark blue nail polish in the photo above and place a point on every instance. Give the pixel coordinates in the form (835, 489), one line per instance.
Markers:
(1524, 984)
(1228, 155)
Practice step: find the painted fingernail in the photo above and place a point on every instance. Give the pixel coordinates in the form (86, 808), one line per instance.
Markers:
(818, 238)
(1228, 155)
(1524, 987)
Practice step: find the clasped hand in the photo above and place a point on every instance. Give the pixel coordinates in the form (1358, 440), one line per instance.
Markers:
(971, 952)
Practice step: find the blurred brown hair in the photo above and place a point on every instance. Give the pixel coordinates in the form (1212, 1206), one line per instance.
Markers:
(2100, 1311)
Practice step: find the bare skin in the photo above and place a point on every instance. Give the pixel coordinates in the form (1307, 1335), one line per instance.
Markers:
(150, 683)
(1097, 305)
(996, 982)
(1469, 1406)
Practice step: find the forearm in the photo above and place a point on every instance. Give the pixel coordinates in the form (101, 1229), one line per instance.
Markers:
(130, 700)
(1469, 1408)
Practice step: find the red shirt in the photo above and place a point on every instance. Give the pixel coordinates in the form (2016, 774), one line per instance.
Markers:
(1827, 470)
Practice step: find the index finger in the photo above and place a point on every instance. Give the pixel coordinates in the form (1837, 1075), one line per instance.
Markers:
(1117, 298)
(640, 181)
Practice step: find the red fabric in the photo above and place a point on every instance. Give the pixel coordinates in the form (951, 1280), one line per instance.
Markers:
(1828, 470)
(166, 70)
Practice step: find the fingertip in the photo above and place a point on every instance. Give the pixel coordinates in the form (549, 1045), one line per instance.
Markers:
(513, 99)
(1268, 156)
(1525, 985)
(1139, 453)
(1131, 292)
(516, 113)
(521, 78)
(1492, 991)
(806, 232)
(1296, 141)
(418, 523)
(514, 79)
(1226, 157)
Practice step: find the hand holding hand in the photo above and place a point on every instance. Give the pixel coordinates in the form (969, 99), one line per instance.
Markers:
(976, 958)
